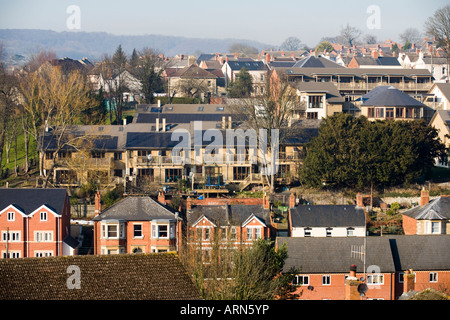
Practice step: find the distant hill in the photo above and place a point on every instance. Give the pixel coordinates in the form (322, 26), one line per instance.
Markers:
(93, 45)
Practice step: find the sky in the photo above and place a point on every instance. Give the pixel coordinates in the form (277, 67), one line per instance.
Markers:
(269, 22)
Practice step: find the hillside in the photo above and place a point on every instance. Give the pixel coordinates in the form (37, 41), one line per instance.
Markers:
(93, 45)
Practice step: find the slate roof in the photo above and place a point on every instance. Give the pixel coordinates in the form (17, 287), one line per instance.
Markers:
(421, 252)
(334, 255)
(332, 93)
(249, 65)
(436, 209)
(380, 61)
(327, 216)
(316, 62)
(136, 209)
(234, 214)
(28, 200)
(157, 276)
(389, 96)
(193, 71)
(179, 117)
(98, 142)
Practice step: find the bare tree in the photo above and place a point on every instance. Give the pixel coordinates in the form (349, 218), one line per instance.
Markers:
(291, 44)
(438, 26)
(53, 102)
(411, 35)
(271, 111)
(370, 39)
(350, 35)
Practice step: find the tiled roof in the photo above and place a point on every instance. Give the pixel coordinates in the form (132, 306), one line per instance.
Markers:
(334, 255)
(436, 209)
(137, 209)
(421, 252)
(158, 276)
(389, 96)
(28, 200)
(327, 216)
(222, 215)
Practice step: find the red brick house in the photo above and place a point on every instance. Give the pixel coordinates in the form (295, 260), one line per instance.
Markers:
(230, 224)
(35, 223)
(136, 225)
(322, 266)
(430, 217)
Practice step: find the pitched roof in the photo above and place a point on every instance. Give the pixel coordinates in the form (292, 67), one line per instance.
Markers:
(234, 214)
(327, 216)
(436, 209)
(193, 71)
(332, 93)
(334, 255)
(444, 88)
(389, 96)
(28, 200)
(316, 62)
(136, 209)
(249, 65)
(158, 276)
(380, 61)
(421, 252)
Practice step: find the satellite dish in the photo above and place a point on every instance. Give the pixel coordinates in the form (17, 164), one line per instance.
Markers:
(310, 288)
(362, 289)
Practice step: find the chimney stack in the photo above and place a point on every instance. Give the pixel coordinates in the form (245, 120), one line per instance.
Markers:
(224, 123)
(424, 197)
(230, 124)
(161, 198)
(292, 200)
(266, 202)
(98, 203)
(157, 125)
(188, 203)
(164, 124)
(351, 285)
(408, 281)
(375, 54)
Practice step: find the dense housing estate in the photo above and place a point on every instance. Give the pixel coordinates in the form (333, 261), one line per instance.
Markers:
(165, 153)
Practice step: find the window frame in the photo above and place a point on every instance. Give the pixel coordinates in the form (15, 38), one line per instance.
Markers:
(298, 276)
(326, 280)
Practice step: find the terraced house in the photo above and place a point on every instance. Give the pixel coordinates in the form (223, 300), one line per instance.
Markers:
(168, 145)
(35, 223)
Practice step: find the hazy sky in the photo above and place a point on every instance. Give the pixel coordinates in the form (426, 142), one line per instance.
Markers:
(266, 21)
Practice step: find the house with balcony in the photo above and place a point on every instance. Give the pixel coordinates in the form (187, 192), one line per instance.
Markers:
(35, 223)
(318, 100)
(136, 224)
(389, 103)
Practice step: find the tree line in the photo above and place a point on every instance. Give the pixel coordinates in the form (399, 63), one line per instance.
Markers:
(356, 153)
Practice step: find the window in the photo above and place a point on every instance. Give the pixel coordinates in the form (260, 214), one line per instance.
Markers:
(433, 227)
(233, 233)
(113, 231)
(258, 233)
(308, 232)
(117, 155)
(11, 236)
(433, 277)
(160, 231)
(300, 280)
(379, 113)
(375, 279)
(97, 155)
(315, 102)
(173, 175)
(249, 234)
(206, 234)
(137, 230)
(43, 216)
(329, 230)
(10, 216)
(11, 254)
(350, 232)
(326, 280)
(43, 236)
(40, 254)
